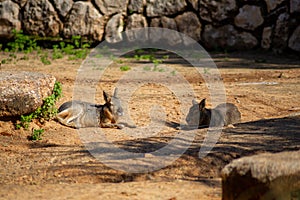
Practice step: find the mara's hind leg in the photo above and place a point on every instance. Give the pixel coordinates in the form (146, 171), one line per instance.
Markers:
(68, 117)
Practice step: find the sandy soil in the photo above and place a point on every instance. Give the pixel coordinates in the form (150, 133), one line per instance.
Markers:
(265, 87)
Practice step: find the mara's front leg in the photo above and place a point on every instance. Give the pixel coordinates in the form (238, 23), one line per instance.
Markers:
(109, 125)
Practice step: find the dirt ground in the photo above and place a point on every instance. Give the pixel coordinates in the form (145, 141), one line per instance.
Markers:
(265, 87)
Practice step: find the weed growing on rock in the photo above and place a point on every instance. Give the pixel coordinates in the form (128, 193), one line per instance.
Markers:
(46, 112)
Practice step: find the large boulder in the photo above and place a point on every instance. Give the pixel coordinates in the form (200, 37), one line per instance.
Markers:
(294, 41)
(110, 7)
(133, 29)
(294, 6)
(171, 37)
(249, 17)
(227, 37)
(265, 176)
(266, 38)
(63, 6)
(23, 92)
(136, 6)
(9, 18)
(157, 8)
(114, 28)
(272, 4)
(40, 18)
(281, 33)
(189, 24)
(216, 10)
(84, 20)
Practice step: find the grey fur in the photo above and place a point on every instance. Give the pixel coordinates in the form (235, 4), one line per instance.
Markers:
(222, 115)
(79, 114)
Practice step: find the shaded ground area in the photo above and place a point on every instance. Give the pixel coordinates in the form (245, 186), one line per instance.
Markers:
(266, 89)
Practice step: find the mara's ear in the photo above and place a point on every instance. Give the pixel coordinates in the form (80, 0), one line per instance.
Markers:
(107, 97)
(194, 102)
(202, 104)
(115, 92)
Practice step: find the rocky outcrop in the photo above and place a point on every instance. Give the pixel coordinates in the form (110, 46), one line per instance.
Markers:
(267, 24)
(84, 20)
(9, 18)
(249, 17)
(266, 176)
(23, 92)
(228, 37)
(40, 18)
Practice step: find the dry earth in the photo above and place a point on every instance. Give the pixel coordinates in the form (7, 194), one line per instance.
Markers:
(265, 87)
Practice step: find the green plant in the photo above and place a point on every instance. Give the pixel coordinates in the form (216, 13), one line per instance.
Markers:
(36, 134)
(46, 112)
(44, 59)
(125, 68)
(21, 42)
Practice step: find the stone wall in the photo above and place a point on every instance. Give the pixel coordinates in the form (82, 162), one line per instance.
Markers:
(228, 24)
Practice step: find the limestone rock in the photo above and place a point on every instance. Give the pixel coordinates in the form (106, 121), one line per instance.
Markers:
(265, 176)
(266, 38)
(281, 33)
(294, 6)
(110, 7)
(136, 6)
(294, 41)
(227, 37)
(63, 6)
(84, 20)
(249, 17)
(272, 4)
(23, 92)
(40, 18)
(21, 3)
(189, 24)
(114, 29)
(156, 8)
(134, 24)
(211, 10)
(9, 18)
(195, 4)
(171, 37)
